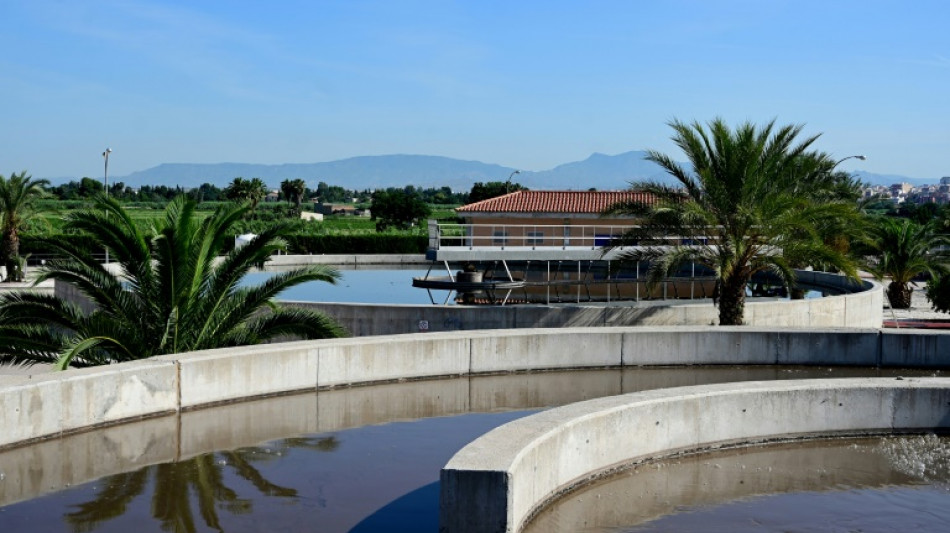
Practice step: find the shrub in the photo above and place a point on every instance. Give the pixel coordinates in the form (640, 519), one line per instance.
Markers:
(938, 293)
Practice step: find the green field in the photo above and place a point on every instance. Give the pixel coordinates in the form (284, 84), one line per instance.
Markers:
(52, 220)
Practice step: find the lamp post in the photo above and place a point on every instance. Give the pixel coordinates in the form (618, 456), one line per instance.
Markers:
(508, 183)
(105, 174)
(105, 184)
(861, 157)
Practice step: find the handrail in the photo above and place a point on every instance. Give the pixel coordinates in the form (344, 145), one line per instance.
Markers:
(530, 236)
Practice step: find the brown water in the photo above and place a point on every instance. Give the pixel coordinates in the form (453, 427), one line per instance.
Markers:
(361, 459)
(844, 485)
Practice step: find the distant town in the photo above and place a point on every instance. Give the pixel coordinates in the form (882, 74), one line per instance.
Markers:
(901, 193)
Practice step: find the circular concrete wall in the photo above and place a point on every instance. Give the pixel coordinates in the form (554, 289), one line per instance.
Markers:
(51, 404)
(859, 305)
(496, 483)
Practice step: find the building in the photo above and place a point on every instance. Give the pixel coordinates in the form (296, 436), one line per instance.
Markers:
(527, 221)
(547, 246)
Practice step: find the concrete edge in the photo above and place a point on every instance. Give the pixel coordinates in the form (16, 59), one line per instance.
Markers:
(48, 405)
(499, 481)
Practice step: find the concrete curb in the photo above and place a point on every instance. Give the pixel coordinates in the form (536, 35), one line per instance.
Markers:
(861, 309)
(48, 405)
(499, 481)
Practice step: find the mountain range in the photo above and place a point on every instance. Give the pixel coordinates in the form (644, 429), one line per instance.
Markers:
(599, 171)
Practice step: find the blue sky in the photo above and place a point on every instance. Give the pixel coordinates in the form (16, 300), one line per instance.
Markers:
(528, 84)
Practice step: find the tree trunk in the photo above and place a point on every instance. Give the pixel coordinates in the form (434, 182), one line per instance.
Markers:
(9, 253)
(732, 302)
(899, 295)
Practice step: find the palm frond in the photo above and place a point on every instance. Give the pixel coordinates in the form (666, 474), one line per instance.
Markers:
(173, 291)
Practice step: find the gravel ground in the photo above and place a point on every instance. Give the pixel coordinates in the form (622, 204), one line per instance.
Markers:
(920, 308)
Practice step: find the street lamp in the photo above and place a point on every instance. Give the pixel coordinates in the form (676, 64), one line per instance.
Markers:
(861, 157)
(105, 174)
(105, 183)
(508, 183)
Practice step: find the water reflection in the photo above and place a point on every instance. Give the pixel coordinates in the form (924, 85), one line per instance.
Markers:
(389, 285)
(329, 461)
(178, 487)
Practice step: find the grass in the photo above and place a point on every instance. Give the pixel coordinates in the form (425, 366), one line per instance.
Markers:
(53, 220)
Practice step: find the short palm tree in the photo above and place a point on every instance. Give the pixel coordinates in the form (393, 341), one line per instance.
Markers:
(903, 250)
(742, 209)
(172, 292)
(18, 196)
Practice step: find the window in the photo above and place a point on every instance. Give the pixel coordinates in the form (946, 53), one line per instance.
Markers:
(500, 238)
(535, 238)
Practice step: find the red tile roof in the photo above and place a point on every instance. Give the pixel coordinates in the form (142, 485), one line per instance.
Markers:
(593, 202)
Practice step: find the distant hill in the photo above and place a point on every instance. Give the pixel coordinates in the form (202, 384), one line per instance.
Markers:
(889, 179)
(599, 171)
(357, 173)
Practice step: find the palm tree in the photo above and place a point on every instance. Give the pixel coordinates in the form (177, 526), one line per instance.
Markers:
(172, 294)
(742, 209)
(293, 190)
(904, 250)
(246, 190)
(18, 197)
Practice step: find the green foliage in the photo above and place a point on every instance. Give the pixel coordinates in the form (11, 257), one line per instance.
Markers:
(938, 293)
(755, 200)
(879, 206)
(333, 194)
(493, 189)
(207, 193)
(904, 250)
(251, 190)
(293, 191)
(172, 293)
(920, 214)
(397, 208)
(87, 188)
(18, 205)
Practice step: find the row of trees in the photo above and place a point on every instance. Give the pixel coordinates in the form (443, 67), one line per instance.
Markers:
(87, 188)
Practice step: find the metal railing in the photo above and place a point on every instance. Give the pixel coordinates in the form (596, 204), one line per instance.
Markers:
(448, 236)
(523, 236)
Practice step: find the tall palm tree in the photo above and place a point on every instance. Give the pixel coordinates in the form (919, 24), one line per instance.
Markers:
(904, 250)
(172, 293)
(18, 196)
(742, 209)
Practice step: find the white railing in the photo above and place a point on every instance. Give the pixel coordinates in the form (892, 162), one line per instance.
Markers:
(527, 236)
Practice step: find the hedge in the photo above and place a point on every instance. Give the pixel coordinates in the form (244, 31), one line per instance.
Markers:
(358, 244)
(300, 244)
